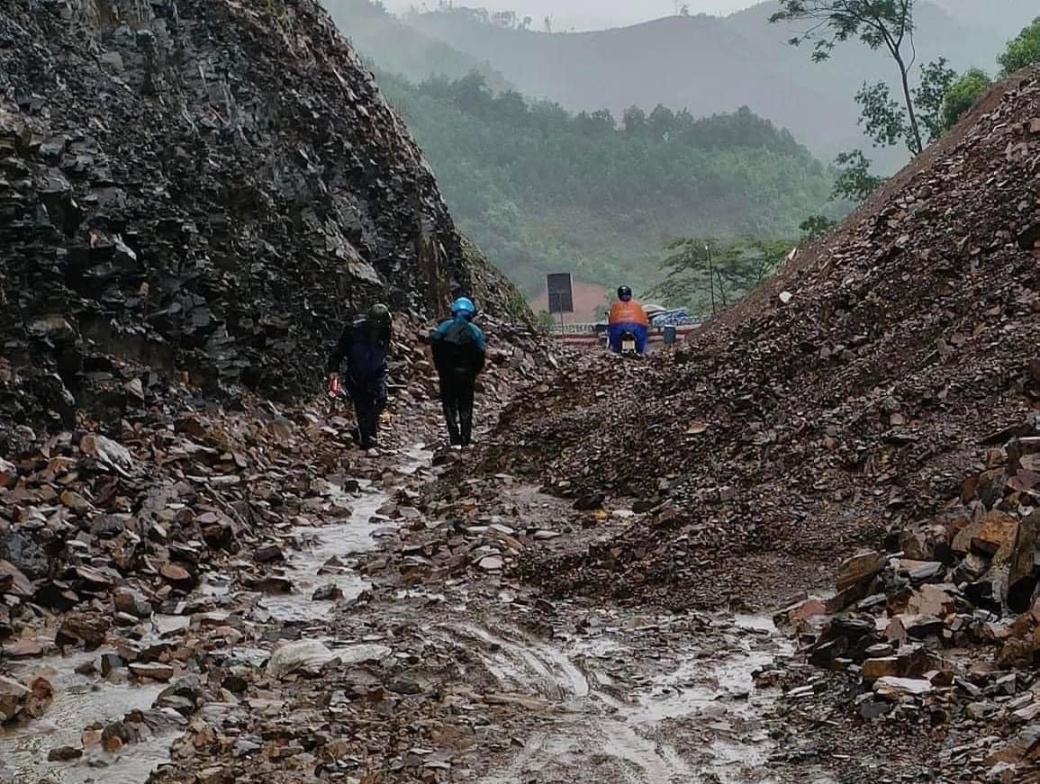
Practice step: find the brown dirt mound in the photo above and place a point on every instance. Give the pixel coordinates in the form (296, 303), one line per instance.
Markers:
(845, 398)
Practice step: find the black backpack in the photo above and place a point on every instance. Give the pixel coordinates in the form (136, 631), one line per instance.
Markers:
(458, 349)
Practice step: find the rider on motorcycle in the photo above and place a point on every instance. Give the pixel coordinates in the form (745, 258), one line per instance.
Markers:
(627, 315)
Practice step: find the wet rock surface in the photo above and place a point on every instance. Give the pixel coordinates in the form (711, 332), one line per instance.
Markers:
(417, 672)
(936, 636)
(198, 192)
(199, 585)
(390, 651)
(189, 567)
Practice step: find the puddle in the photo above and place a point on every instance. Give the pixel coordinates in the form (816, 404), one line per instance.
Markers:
(700, 721)
(79, 701)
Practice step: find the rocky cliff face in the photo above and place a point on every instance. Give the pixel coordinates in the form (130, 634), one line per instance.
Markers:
(197, 190)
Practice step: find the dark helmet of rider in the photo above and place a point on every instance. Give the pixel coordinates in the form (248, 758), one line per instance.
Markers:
(624, 293)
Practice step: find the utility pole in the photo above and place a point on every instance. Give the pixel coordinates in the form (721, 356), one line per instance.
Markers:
(711, 277)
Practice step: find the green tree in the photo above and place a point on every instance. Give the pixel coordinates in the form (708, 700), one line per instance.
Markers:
(880, 115)
(930, 96)
(633, 119)
(855, 182)
(962, 94)
(814, 227)
(542, 190)
(706, 273)
(1023, 50)
(880, 24)
(886, 120)
(916, 117)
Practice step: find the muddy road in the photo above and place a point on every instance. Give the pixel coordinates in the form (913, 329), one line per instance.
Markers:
(353, 657)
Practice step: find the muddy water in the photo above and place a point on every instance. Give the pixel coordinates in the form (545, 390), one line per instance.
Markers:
(84, 700)
(78, 702)
(697, 719)
(358, 534)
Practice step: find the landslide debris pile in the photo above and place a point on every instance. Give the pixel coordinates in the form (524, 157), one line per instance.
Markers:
(104, 540)
(200, 187)
(942, 628)
(845, 400)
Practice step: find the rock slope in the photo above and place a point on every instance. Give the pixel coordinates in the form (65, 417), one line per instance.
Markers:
(199, 190)
(846, 399)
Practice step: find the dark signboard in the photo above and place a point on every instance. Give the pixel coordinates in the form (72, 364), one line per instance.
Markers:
(561, 297)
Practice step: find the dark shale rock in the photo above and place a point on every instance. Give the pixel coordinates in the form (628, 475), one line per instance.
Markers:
(198, 191)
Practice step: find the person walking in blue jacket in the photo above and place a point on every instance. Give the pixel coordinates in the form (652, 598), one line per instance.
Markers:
(459, 354)
(364, 346)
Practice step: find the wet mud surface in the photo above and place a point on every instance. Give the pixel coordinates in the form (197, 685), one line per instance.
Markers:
(394, 638)
(67, 745)
(565, 691)
(619, 711)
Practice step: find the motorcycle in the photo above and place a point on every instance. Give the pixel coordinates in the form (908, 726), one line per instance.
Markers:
(629, 345)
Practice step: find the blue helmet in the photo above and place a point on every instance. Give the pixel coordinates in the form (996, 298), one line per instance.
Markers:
(463, 306)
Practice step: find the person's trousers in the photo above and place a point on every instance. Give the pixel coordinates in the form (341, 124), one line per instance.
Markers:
(457, 392)
(369, 401)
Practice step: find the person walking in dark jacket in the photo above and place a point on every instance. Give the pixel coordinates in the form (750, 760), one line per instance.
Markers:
(459, 352)
(364, 346)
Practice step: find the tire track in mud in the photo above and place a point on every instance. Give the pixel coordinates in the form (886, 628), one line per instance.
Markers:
(666, 731)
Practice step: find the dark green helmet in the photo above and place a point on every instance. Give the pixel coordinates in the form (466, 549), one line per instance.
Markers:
(379, 315)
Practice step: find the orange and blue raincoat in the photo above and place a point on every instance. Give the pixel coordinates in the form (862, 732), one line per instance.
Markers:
(628, 316)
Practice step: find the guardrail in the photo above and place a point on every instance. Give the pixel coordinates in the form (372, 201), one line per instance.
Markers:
(573, 329)
(598, 338)
(591, 329)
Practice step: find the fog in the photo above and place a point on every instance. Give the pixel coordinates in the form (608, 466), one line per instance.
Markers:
(585, 14)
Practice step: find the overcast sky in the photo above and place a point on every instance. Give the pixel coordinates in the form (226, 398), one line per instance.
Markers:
(585, 14)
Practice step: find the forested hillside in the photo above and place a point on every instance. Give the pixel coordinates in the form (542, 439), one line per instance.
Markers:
(541, 189)
(713, 64)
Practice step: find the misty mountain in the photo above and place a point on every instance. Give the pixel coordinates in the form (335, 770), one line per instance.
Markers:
(1004, 17)
(390, 44)
(710, 64)
(541, 189)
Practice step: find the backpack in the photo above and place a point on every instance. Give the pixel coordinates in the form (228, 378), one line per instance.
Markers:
(366, 359)
(458, 349)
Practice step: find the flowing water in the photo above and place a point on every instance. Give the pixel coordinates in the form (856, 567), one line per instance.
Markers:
(697, 720)
(695, 717)
(79, 701)
(83, 701)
